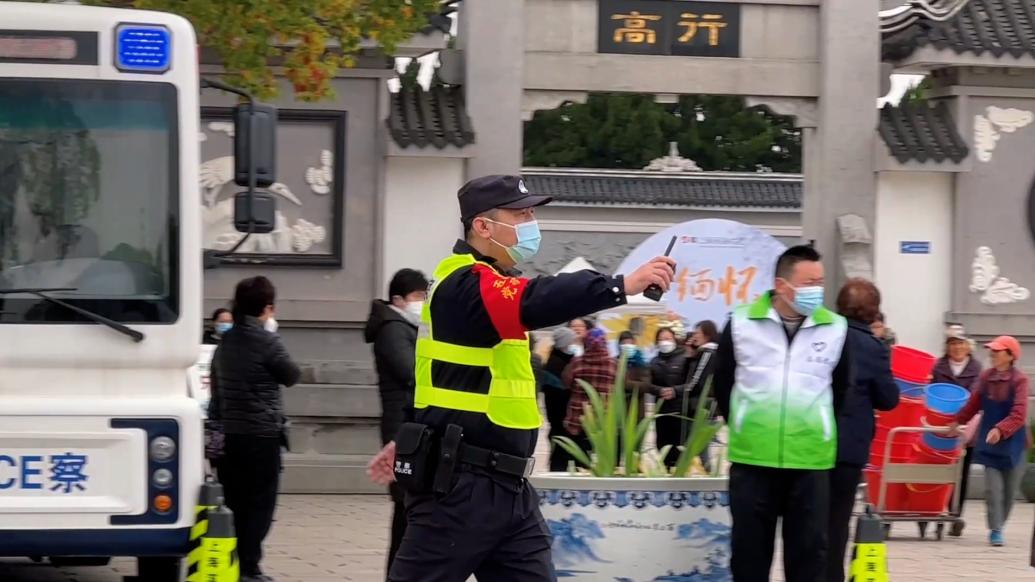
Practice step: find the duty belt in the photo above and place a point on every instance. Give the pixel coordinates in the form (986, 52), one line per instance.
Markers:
(495, 461)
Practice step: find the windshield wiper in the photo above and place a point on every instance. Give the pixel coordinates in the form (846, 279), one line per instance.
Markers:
(42, 294)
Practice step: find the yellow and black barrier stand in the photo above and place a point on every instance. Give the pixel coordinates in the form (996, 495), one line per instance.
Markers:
(870, 555)
(219, 548)
(208, 500)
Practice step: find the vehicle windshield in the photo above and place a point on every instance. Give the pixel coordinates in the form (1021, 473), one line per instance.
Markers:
(88, 200)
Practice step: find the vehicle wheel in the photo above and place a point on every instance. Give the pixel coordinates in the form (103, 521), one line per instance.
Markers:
(939, 532)
(887, 531)
(159, 569)
(923, 529)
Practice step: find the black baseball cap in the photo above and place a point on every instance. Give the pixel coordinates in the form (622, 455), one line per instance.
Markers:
(497, 191)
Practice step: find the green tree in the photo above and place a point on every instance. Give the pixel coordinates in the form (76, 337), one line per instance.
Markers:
(627, 131)
(918, 93)
(311, 39)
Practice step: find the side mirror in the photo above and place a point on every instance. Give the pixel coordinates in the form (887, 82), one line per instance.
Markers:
(262, 219)
(258, 150)
(255, 158)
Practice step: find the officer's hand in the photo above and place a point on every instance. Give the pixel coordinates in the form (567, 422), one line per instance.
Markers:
(658, 271)
(381, 469)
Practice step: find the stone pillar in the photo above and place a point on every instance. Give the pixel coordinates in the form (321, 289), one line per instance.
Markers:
(493, 81)
(839, 169)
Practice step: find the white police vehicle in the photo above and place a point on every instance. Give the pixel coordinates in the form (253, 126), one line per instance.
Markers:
(100, 281)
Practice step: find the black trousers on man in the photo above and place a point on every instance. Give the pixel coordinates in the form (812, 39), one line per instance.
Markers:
(398, 522)
(486, 526)
(250, 474)
(759, 496)
(844, 484)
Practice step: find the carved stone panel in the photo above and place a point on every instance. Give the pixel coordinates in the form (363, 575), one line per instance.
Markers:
(309, 192)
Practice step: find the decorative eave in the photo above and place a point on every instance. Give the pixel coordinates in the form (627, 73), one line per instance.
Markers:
(999, 28)
(435, 117)
(652, 189)
(920, 136)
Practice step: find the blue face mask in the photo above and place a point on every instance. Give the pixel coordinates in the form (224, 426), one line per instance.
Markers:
(807, 299)
(528, 239)
(223, 327)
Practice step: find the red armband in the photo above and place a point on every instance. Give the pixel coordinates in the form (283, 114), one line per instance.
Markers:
(501, 296)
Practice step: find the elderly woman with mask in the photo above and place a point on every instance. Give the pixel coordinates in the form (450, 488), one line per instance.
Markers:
(958, 367)
(1001, 396)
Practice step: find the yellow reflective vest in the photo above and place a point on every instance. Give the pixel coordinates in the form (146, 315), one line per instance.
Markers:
(509, 401)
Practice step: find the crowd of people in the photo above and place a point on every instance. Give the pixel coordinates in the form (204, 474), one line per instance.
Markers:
(812, 486)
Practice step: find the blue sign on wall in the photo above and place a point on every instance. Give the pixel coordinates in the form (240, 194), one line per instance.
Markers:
(914, 247)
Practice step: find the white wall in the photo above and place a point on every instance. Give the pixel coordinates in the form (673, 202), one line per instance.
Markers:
(916, 288)
(421, 219)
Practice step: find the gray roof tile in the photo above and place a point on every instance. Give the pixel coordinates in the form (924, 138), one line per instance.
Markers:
(434, 117)
(711, 189)
(920, 132)
(999, 27)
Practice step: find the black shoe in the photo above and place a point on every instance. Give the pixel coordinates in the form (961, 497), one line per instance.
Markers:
(957, 528)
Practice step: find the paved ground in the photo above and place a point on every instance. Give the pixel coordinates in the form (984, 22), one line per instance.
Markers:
(342, 538)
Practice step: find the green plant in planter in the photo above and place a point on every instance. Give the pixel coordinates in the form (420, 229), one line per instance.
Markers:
(615, 434)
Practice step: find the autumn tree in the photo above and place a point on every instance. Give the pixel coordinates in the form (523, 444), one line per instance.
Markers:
(310, 39)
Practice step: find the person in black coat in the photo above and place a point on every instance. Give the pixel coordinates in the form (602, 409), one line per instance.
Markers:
(958, 367)
(392, 328)
(700, 368)
(872, 388)
(555, 393)
(248, 369)
(668, 372)
(222, 322)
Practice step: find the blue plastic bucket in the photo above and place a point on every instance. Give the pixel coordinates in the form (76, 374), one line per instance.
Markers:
(940, 443)
(945, 398)
(910, 389)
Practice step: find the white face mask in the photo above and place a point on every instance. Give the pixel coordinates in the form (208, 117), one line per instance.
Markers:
(666, 347)
(575, 350)
(414, 308)
(270, 325)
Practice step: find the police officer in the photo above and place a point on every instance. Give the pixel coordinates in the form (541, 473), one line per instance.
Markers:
(474, 381)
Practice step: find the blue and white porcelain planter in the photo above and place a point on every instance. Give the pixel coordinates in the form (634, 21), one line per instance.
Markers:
(637, 529)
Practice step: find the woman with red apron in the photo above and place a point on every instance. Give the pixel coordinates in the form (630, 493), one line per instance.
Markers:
(1001, 395)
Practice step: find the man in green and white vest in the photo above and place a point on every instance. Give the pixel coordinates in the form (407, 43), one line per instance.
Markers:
(781, 378)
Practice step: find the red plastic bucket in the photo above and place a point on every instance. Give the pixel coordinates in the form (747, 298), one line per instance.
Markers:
(927, 498)
(877, 458)
(908, 413)
(910, 364)
(933, 418)
(925, 455)
(901, 448)
(896, 496)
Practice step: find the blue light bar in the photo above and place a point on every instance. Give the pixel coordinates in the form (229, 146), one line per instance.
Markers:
(142, 48)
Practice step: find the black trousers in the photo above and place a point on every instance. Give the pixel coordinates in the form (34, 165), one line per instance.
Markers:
(844, 483)
(559, 458)
(250, 474)
(556, 402)
(398, 522)
(668, 431)
(759, 496)
(484, 527)
(968, 458)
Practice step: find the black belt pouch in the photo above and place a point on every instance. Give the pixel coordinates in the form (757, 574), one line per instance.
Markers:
(414, 457)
